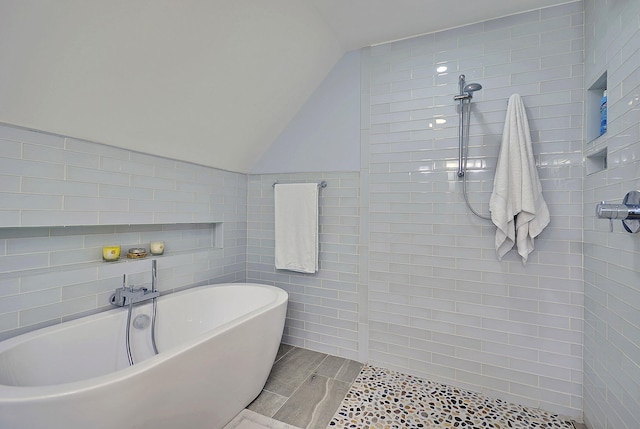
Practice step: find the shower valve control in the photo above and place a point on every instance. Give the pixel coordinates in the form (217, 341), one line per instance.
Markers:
(628, 212)
(617, 211)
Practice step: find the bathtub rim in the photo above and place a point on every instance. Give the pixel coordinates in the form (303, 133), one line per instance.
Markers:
(15, 394)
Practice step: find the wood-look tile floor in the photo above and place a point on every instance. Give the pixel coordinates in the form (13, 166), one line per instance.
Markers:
(305, 388)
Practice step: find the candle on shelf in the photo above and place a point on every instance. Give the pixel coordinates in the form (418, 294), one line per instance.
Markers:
(111, 253)
(156, 247)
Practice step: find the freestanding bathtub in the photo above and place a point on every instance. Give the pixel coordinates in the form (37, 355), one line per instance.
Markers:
(217, 345)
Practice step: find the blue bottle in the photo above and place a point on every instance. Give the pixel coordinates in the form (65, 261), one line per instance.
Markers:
(603, 113)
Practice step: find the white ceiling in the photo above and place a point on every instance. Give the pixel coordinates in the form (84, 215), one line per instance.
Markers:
(359, 23)
(211, 82)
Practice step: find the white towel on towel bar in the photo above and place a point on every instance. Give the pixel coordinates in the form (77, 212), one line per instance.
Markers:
(296, 227)
(517, 207)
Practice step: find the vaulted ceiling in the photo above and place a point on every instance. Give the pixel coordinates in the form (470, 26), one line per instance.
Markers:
(207, 81)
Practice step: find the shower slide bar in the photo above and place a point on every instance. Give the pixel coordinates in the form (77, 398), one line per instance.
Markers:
(466, 94)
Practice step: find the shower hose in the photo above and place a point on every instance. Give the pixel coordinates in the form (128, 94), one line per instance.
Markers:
(153, 331)
(153, 317)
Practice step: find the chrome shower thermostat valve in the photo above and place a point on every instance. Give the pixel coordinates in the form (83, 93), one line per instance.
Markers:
(628, 212)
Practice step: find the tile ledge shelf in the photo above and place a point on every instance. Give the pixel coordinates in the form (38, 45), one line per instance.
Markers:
(107, 225)
(99, 263)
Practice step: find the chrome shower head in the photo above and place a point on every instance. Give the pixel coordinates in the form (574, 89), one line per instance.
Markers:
(466, 90)
(472, 87)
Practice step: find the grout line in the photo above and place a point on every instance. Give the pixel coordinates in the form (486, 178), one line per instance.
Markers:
(278, 409)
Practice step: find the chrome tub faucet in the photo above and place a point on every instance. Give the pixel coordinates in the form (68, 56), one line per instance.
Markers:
(129, 295)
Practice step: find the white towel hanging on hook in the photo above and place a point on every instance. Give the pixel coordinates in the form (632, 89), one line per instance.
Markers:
(517, 206)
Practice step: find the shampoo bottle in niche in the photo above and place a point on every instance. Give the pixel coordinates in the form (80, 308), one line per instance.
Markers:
(603, 113)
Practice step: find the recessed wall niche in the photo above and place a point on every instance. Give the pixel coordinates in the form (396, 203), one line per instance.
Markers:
(592, 108)
(596, 162)
(33, 248)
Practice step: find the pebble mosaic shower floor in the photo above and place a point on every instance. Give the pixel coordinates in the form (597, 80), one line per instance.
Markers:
(381, 399)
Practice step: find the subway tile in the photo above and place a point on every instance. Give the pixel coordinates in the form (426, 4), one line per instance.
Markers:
(20, 302)
(19, 167)
(9, 286)
(542, 27)
(42, 244)
(570, 8)
(23, 262)
(22, 201)
(56, 310)
(89, 175)
(9, 321)
(562, 34)
(125, 166)
(92, 204)
(137, 194)
(98, 149)
(150, 183)
(10, 218)
(513, 20)
(58, 156)
(58, 187)
(10, 149)
(18, 134)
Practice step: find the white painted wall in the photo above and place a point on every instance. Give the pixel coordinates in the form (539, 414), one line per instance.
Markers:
(325, 134)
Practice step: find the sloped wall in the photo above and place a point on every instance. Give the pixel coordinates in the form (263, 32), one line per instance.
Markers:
(209, 82)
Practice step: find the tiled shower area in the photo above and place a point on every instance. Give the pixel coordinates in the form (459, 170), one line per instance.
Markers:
(409, 277)
(408, 282)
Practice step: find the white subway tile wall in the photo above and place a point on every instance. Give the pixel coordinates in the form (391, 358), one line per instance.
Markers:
(323, 307)
(62, 199)
(440, 304)
(611, 270)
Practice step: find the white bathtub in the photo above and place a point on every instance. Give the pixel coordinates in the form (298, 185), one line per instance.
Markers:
(217, 345)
